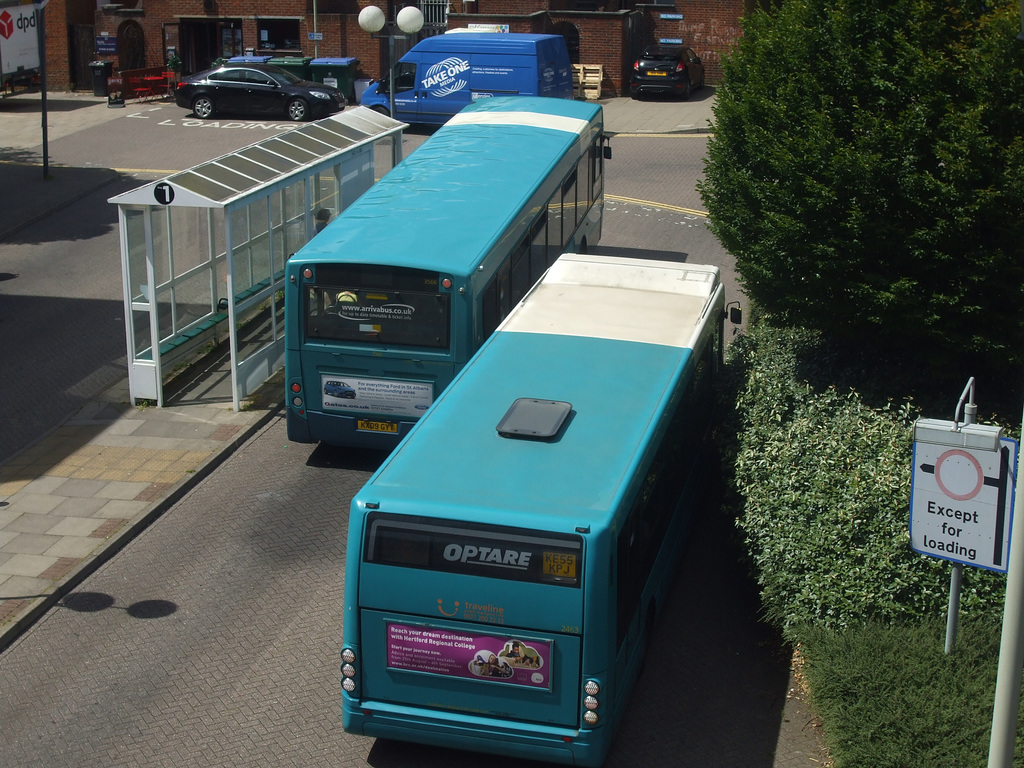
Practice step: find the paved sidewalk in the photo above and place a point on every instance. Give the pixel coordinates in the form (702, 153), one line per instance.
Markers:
(73, 499)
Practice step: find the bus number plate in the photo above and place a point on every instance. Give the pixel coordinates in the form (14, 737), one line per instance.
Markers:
(365, 425)
(560, 565)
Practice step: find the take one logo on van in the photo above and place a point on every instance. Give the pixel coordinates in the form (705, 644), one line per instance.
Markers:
(446, 76)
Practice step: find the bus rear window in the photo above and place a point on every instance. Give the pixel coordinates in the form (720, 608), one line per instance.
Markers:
(497, 552)
(378, 305)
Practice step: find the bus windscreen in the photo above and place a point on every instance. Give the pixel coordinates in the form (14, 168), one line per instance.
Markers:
(378, 305)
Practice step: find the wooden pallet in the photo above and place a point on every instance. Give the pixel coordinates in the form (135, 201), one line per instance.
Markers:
(577, 81)
(591, 76)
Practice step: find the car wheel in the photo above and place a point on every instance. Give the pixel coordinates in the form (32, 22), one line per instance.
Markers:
(702, 77)
(202, 107)
(382, 110)
(687, 88)
(298, 110)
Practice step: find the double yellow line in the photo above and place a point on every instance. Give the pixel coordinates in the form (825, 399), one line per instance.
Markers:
(652, 204)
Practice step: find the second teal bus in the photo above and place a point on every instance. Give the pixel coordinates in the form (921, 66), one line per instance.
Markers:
(394, 296)
(506, 562)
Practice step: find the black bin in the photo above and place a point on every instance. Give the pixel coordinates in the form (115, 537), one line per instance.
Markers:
(101, 70)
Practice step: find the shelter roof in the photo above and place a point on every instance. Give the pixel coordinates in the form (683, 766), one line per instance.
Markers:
(267, 163)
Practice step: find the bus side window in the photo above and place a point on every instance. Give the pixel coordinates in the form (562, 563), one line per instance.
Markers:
(504, 305)
(538, 247)
(586, 195)
(489, 306)
(569, 203)
(554, 229)
(520, 283)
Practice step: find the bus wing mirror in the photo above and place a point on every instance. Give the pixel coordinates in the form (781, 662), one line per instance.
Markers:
(735, 312)
(607, 151)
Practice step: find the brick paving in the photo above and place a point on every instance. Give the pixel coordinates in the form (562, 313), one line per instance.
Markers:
(72, 500)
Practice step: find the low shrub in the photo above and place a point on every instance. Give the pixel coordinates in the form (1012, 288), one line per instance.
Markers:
(891, 698)
(823, 488)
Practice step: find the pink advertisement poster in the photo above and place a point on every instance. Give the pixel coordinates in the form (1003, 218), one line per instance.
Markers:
(497, 659)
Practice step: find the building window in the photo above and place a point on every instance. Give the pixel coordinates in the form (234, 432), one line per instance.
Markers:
(277, 35)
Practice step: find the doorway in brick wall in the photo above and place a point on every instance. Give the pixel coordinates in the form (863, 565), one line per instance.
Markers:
(571, 33)
(81, 42)
(131, 46)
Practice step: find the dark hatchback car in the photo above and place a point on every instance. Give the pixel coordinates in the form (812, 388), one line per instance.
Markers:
(256, 90)
(667, 69)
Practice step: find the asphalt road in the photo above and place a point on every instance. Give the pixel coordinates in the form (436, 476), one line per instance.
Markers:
(212, 639)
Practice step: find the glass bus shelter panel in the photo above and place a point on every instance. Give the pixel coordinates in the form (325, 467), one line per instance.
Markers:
(141, 334)
(245, 166)
(383, 157)
(193, 300)
(162, 270)
(309, 143)
(325, 135)
(249, 233)
(269, 159)
(190, 236)
(326, 195)
(359, 171)
(292, 227)
(346, 133)
(221, 174)
(135, 237)
(216, 228)
(289, 151)
(203, 186)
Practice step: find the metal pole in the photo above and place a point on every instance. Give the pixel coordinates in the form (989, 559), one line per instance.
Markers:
(1011, 650)
(391, 73)
(953, 612)
(956, 577)
(41, 32)
(316, 42)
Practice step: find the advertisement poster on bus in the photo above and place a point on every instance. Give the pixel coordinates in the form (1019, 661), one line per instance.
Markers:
(386, 397)
(496, 659)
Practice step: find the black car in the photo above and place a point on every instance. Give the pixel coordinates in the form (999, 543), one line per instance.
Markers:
(667, 69)
(256, 89)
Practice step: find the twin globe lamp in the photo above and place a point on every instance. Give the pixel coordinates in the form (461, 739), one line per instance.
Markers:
(410, 21)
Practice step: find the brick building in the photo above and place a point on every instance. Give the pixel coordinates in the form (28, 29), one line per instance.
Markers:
(139, 33)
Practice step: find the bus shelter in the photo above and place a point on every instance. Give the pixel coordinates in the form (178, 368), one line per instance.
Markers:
(203, 251)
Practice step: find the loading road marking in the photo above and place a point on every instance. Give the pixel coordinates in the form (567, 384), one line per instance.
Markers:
(651, 203)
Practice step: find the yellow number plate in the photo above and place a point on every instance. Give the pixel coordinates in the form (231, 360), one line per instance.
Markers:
(560, 564)
(657, 74)
(377, 426)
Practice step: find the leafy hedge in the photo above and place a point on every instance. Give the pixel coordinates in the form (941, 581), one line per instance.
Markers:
(824, 487)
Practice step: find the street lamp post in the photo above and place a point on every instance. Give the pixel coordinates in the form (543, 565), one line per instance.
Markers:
(410, 21)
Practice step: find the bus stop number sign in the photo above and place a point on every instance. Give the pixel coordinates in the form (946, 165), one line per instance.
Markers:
(961, 502)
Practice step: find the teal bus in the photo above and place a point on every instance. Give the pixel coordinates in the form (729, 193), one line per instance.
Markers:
(506, 562)
(393, 297)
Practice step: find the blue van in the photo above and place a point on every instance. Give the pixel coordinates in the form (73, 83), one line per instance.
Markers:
(442, 74)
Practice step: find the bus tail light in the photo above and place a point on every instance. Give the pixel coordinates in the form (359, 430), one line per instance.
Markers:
(590, 701)
(348, 670)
